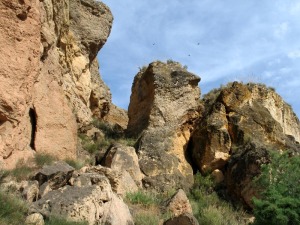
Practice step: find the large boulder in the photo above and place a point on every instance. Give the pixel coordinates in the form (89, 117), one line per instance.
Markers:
(122, 158)
(120, 180)
(179, 204)
(49, 75)
(164, 104)
(95, 204)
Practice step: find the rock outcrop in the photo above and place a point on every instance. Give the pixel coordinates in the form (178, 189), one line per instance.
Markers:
(163, 107)
(49, 75)
(90, 194)
(240, 123)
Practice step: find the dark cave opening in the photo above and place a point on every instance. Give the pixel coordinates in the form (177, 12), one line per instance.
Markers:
(189, 156)
(33, 120)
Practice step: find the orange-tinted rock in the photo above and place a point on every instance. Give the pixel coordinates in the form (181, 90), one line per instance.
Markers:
(163, 107)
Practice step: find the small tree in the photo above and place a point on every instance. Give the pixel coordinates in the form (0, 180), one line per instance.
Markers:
(279, 184)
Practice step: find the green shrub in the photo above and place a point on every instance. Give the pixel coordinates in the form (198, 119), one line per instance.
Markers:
(207, 206)
(12, 210)
(77, 164)
(53, 220)
(42, 159)
(110, 131)
(279, 186)
(142, 198)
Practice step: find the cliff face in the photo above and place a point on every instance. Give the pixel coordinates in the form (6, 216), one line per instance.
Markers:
(50, 84)
(240, 123)
(163, 107)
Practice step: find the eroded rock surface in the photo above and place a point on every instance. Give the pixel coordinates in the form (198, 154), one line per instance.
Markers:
(163, 107)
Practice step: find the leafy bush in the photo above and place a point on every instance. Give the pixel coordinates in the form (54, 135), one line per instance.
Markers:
(279, 184)
(12, 210)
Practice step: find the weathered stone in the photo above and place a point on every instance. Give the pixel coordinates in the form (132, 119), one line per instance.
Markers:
(163, 107)
(44, 189)
(34, 219)
(57, 175)
(120, 181)
(121, 158)
(183, 219)
(179, 204)
(31, 191)
(95, 204)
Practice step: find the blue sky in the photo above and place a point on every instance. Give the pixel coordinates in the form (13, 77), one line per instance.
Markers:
(219, 40)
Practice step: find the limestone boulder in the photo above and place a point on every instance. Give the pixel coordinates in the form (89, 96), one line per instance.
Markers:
(30, 192)
(122, 158)
(179, 204)
(34, 219)
(120, 181)
(95, 204)
(164, 104)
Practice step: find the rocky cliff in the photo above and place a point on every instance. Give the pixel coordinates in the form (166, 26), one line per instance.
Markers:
(240, 124)
(50, 82)
(164, 105)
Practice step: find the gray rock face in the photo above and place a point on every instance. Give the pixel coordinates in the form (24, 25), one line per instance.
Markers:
(57, 175)
(163, 107)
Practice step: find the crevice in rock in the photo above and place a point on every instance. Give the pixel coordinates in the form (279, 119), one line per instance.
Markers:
(3, 118)
(189, 155)
(33, 121)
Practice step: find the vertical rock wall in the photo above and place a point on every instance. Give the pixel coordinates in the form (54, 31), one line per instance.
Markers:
(50, 84)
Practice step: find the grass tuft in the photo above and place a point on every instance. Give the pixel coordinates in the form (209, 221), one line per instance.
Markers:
(42, 159)
(12, 209)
